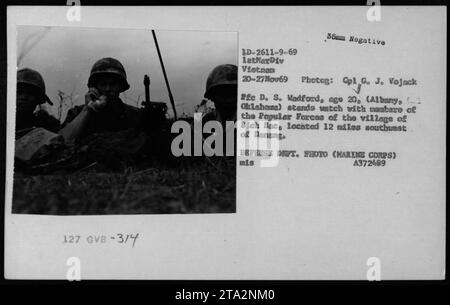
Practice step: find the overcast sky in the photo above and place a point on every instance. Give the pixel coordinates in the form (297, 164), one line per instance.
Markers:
(64, 57)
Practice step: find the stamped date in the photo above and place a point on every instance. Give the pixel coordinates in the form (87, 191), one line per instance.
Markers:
(120, 238)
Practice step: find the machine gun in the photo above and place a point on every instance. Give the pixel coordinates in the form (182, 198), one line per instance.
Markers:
(154, 112)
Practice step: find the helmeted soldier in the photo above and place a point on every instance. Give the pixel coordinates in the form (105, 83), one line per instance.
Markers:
(221, 89)
(103, 111)
(30, 94)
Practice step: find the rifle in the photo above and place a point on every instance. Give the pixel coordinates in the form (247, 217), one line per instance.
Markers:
(154, 112)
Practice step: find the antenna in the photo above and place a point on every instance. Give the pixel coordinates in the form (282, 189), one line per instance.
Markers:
(165, 74)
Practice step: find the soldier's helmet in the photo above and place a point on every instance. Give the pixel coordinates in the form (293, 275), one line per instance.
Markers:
(33, 78)
(108, 66)
(222, 75)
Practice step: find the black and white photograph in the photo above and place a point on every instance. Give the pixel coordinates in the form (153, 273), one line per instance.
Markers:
(96, 121)
(218, 143)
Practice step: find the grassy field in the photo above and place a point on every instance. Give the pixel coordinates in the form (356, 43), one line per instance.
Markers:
(194, 185)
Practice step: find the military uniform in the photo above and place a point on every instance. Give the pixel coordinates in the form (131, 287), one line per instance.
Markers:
(27, 119)
(116, 116)
(223, 78)
(119, 116)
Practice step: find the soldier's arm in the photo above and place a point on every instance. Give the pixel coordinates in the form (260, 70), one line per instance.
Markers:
(75, 128)
(47, 121)
(94, 102)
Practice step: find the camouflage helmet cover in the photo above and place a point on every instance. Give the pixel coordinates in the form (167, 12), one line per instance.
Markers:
(108, 65)
(33, 78)
(220, 76)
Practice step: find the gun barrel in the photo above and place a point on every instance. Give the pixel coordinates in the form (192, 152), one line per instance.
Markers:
(147, 88)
